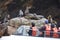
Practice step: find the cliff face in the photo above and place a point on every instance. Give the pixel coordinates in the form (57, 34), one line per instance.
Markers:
(46, 7)
(43, 7)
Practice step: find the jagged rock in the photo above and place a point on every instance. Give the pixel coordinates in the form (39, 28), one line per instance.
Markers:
(19, 21)
(24, 21)
(34, 16)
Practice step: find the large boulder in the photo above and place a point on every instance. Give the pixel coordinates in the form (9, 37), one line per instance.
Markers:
(15, 23)
(19, 21)
(27, 21)
(11, 30)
